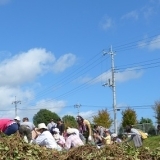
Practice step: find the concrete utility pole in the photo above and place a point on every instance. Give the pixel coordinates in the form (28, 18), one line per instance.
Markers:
(113, 85)
(16, 102)
(77, 106)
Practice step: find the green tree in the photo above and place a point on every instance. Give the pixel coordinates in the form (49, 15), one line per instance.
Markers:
(145, 120)
(156, 109)
(147, 126)
(44, 116)
(103, 118)
(129, 117)
(69, 121)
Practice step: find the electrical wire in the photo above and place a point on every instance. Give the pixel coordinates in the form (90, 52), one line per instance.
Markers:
(68, 79)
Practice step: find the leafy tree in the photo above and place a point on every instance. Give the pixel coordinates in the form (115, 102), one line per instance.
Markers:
(129, 117)
(147, 126)
(44, 116)
(156, 108)
(69, 121)
(145, 120)
(103, 119)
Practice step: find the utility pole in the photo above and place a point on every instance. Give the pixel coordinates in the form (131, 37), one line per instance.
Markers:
(77, 106)
(113, 85)
(15, 103)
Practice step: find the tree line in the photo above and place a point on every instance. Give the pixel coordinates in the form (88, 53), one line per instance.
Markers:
(102, 118)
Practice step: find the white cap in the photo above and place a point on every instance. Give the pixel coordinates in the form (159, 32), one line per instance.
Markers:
(17, 118)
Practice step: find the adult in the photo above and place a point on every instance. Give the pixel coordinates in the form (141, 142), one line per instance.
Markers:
(134, 135)
(99, 129)
(45, 138)
(72, 140)
(51, 125)
(76, 131)
(9, 126)
(97, 138)
(158, 129)
(84, 128)
(58, 138)
(26, 129)
(60, 126)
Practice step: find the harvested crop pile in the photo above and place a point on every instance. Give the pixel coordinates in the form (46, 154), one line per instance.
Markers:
(14, 148)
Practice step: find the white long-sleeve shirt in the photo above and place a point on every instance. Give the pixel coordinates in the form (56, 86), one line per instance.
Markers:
(46, 139)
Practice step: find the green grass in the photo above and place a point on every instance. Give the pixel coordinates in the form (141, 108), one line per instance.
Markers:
(152, 142)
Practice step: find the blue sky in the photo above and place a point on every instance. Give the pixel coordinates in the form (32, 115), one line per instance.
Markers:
(51, 56)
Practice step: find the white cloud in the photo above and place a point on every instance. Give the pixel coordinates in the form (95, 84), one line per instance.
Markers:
(52, 105)
(106, 23)
(126, 75)
(132, 15)
(64, 62)
(8, 94)
(88, 115)
(25, 67)
(146, 12)
(152, 44)
(16, 71)
(25, 110)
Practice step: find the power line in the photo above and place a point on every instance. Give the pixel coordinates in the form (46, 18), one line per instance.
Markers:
(89, 106)
(66, 80)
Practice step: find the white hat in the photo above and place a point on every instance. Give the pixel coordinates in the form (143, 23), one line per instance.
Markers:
(70, 131)
(56, 130)
(41, 125)
(17, 118)
(114, 135)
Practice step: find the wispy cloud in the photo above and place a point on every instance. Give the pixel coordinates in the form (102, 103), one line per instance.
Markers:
(52, 105)
(153, 44)
(106, 23)
(147, 12)
(88, 115)
(150, 9)
(64, 62)
(131, 15)
(126, 75)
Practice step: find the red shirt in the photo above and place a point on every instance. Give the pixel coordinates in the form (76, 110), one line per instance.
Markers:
(4, 123)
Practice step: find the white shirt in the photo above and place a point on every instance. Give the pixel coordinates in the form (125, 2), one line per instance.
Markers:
(46, 139)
